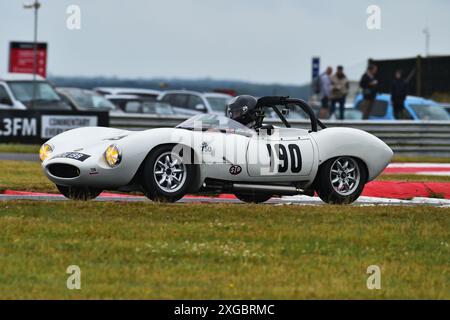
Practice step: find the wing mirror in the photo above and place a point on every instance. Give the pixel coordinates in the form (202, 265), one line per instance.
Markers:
(200, 107)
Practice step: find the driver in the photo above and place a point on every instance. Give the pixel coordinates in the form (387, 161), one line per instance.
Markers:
(243, 110)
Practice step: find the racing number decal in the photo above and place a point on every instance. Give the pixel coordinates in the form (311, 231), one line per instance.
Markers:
(296, 158)
(280, 151)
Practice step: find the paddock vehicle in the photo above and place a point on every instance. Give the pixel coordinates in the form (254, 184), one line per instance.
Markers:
(415, 108)
(193, 102)
(21, 91)
(213, 153)
(86, 100)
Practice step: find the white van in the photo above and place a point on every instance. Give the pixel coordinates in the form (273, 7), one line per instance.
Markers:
(16, 92)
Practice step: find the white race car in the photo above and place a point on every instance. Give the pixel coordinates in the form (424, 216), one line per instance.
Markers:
(213, 153)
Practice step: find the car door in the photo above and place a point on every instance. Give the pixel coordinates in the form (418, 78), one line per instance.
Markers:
(196, 103)
(179, 103)
(285, 153)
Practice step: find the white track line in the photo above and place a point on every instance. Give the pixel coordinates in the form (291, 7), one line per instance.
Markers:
(433, 173)
(418, 165)
(376, 201)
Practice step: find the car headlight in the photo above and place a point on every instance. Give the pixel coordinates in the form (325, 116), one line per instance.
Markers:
(113, 155)
(45, 151)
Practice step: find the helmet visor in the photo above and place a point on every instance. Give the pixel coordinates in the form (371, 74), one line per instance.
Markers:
(237, 112)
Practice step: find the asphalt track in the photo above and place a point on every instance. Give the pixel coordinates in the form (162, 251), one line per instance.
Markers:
(375, 193)
(288, 200)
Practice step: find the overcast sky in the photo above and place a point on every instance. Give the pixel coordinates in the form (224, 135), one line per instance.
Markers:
(266, 41)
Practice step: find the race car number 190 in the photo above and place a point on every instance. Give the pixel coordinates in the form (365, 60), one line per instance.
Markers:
(292, 154)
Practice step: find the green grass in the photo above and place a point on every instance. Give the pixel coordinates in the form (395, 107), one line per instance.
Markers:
(226, 251)
(426, 159)
(24, 175)
(413, 178)
(19, 148)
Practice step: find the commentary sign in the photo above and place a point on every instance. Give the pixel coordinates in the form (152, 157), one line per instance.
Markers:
(37, 126)
(56, 124)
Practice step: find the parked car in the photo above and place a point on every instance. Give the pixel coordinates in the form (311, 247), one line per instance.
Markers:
(143, 93)
(416, 108)
(86, 100)
(193, 102)
(16, 92)
(135, 104)
(446, 107)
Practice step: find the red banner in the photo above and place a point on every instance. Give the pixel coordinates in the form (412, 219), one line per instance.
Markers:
(21, 57)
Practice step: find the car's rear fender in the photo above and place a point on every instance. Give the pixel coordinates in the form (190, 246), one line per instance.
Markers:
(335, 142)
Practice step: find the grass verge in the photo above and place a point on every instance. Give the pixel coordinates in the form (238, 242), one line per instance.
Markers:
(24, 175)
(19, 148)
(413, 178)
(222, 251)
(425, 159)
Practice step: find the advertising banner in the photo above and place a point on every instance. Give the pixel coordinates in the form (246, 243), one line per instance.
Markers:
(21, 57)
(37, 126)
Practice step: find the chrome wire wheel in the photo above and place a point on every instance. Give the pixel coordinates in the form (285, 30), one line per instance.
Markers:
(169, 172)
(345, 175)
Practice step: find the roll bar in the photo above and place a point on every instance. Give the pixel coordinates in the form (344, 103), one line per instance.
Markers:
(274, 101)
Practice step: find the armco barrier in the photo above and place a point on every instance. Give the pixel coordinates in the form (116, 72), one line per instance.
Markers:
(411, 138)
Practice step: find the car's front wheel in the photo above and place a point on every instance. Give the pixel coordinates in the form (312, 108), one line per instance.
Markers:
(167, 178)
(79, 193)
(341, 180)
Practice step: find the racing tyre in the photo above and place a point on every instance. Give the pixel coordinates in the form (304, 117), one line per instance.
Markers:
(252, 197)
(341, 180)
(167, 176)
(79, 193)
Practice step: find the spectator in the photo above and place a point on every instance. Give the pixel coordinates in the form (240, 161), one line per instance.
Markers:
(325, 92)
(339, 90)
(368, 84)
(399, 90)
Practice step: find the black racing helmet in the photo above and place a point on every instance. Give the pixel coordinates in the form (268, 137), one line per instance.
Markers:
(242, 109)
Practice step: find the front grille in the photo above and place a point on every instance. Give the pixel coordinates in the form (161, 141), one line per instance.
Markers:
(63, 170)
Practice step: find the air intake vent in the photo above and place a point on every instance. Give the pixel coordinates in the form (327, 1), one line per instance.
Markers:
(62, 170)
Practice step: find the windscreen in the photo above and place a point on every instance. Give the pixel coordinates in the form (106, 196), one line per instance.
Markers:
(23, 91)
(206, 122)
(218, 103)
(426, 112)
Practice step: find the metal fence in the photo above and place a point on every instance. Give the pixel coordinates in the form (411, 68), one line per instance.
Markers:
(409, 138)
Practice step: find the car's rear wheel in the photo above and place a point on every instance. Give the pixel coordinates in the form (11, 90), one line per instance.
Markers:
(79, 193)
(167, 178)
(253, 197)
(341, 180)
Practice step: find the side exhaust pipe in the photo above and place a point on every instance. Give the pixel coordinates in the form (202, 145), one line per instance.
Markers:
(278, 190)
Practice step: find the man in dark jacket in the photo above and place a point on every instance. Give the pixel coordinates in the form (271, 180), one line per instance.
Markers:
(368, 85)
(399, 90)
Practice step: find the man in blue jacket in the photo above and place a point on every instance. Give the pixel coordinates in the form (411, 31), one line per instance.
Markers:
(399, 90)
(368, 85)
